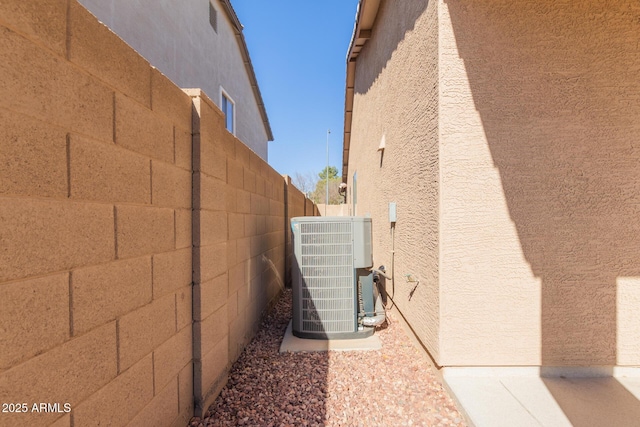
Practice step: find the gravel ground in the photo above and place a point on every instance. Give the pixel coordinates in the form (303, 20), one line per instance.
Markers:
(390, 387)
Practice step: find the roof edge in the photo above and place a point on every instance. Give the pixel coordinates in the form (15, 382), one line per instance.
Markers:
(365, 20)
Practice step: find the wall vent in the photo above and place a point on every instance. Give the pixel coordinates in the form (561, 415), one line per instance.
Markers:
(213, 17)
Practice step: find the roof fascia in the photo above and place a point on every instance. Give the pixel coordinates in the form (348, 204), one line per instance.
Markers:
(362, 29)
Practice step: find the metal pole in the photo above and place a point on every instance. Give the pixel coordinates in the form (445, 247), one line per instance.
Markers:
(327, 186)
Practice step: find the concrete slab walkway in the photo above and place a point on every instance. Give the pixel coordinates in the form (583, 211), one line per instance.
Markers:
(552, 397)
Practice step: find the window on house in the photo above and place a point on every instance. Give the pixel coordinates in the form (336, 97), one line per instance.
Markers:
(213, 17)
(228, 108)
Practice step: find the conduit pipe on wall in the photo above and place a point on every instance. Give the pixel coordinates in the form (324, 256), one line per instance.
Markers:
(382, 271)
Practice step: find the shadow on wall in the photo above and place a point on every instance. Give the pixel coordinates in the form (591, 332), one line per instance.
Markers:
(557, 90)
(297, 205)
(388, 34)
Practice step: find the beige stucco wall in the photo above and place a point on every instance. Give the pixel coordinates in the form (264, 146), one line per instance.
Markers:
(540, 182)
(401, 107)
(517, 186)
(176, 37)
(490, 297)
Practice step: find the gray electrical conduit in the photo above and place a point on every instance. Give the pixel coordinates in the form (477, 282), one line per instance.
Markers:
(379, 308)
(387, 276)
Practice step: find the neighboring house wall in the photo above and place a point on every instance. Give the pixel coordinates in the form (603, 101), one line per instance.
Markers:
(177, 38)
(139, 240)
(521, 224)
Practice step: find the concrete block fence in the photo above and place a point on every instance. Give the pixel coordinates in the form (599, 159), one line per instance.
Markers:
(140, 242)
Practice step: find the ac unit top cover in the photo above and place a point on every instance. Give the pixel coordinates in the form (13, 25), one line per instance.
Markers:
(361, 233)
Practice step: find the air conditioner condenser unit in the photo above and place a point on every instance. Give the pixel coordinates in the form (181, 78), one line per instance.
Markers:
(334, 296)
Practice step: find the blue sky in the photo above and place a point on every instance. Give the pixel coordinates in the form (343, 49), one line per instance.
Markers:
(298, 50)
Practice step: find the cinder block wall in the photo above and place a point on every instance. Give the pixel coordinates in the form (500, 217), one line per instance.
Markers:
(95, 202)
(296, 206)
(239, 246)
(334, 210)
(98, 232)
(310, 208)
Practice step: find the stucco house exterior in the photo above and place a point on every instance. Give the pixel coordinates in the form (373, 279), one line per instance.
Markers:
(197, 43)
(507, 134)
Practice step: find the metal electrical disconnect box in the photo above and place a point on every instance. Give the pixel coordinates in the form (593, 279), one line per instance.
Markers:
(393, 217)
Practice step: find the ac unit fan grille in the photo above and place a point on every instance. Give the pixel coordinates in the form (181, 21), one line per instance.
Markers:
(327, 271)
